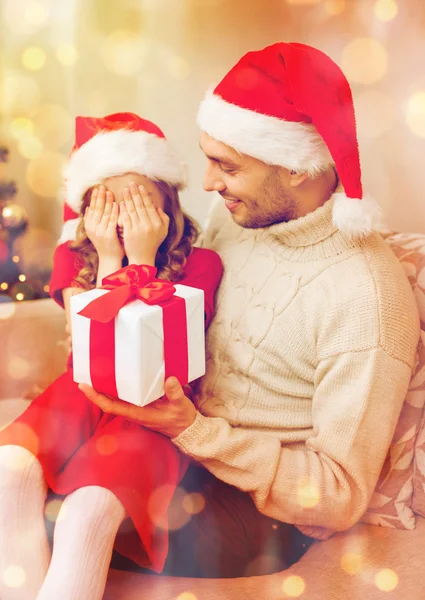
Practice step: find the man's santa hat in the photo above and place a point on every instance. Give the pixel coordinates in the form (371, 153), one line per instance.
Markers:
(114, 145)
(291, 105)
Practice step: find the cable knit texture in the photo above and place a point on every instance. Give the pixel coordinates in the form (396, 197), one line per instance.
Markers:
(309, 359)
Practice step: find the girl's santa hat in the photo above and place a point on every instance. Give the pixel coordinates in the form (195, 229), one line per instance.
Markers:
(114, 145)
(291, 105)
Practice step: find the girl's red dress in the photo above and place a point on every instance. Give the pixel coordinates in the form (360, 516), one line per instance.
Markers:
(79, 445)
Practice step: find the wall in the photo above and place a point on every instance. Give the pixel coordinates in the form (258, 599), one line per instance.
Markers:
(157, 57)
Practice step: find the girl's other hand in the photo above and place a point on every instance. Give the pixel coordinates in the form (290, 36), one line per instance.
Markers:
(145, 226)
(100, 222)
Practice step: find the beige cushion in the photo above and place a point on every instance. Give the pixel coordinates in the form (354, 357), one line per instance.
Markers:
(391, 503)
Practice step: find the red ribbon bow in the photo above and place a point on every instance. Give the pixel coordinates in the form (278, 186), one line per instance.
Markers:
(127, 284)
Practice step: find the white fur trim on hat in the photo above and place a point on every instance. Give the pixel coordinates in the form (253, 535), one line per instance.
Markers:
(296, 146)
(356, 217)
(69, 231)
(113, 153)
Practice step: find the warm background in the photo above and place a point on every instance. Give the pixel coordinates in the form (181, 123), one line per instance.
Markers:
(62, 58)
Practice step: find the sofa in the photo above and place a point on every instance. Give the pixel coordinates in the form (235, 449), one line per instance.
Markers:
(383, 557)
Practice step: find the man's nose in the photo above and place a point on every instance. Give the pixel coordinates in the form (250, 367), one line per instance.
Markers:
(212, 180)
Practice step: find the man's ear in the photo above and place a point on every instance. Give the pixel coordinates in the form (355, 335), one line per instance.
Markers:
(296, 179)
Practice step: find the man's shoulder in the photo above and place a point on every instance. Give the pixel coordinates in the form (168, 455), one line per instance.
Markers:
(369, 291)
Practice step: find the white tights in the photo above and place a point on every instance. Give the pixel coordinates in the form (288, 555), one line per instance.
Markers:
(84, 535)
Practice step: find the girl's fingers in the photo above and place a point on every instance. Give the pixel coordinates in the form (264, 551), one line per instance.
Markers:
(125, 217)
(100, 203)
(93, 198)
(88, 213)
(130, 207)
(164, 218)
(149, 207)
(134, 192)
(113, 218)
(104, 222)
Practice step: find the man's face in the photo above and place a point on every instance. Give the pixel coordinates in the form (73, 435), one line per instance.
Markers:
(256, 194)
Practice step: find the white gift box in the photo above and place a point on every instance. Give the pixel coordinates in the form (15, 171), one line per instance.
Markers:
(139, 344)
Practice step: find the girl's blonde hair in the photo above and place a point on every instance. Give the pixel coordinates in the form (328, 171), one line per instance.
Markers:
(172, 254)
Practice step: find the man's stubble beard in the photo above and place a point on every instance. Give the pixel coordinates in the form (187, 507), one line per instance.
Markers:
(273, 205)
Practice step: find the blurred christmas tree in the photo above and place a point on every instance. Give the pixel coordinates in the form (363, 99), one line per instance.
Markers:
(15, 284)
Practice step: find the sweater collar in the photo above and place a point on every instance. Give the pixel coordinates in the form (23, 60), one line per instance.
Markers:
(311, 229)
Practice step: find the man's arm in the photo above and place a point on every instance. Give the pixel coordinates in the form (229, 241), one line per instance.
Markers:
(329, 482)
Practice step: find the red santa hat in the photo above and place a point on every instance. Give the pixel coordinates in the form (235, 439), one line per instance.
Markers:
(291, 105)
(114, 145)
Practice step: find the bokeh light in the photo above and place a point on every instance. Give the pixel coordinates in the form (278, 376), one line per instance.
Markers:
(293, 586)
(186, 596)
(53, 126)
(386, 580)
(34, 58)
(20, 94)
(178, 67)
(52, 509)
(308, 494)
(30, 147)
(352, 562)
(194, 503)
(44, 174)
(36, 13)
(375, 111)
(107, 444)
(385, 10)
(264, 564)
(67, 54)
(415, 114)
(25, 17)
(23, 435)
(14, 576)
(18, 368)
(124, 52)
(35, 247)
(157, 508)
(21, 127)
(334, 7)
(364, 60)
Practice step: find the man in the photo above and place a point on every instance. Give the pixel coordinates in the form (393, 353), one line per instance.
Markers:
(311, 350)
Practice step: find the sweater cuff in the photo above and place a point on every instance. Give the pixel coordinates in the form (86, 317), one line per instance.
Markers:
(202, 430)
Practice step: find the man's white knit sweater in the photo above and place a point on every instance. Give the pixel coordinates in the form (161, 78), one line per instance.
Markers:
(308, 362)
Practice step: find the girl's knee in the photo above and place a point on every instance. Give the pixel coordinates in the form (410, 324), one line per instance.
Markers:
(19, 465)
(92, 503)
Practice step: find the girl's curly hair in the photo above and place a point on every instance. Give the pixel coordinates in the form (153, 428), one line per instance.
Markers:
(172, 254)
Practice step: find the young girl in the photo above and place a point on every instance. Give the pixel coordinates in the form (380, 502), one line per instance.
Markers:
(122, 181)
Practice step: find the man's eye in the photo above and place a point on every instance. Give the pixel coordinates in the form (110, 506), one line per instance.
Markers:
(228, 171)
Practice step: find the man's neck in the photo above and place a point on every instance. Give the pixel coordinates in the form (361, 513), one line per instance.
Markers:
(315, 192)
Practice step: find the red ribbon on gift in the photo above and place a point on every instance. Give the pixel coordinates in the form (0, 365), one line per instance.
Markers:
(128, 284)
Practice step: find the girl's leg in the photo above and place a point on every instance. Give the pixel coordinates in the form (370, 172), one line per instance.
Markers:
(84, 536)
(24, 547)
